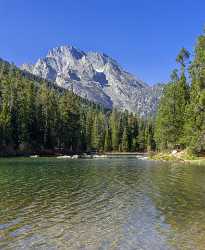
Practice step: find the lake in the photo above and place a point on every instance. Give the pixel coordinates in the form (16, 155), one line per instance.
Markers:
(121, 203)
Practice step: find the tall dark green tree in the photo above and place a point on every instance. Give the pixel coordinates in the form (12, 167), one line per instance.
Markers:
(195, 125)
(171, 112)
(114, 124)
(125, 140)
(108, 140)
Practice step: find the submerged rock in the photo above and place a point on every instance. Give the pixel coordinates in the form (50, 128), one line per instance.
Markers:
(75, 157)
(64, 157)
(34, 156)
(100, 156)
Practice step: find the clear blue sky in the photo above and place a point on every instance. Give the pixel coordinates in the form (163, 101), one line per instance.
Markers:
(143, 35)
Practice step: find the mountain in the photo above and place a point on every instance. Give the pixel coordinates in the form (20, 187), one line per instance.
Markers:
(98, 78)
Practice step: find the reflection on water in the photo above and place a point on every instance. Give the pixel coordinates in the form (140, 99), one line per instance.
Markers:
(101, 204)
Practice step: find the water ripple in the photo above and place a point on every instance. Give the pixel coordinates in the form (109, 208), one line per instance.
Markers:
(109, 204)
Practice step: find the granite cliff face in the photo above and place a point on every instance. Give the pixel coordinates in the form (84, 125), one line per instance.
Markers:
(98, 78)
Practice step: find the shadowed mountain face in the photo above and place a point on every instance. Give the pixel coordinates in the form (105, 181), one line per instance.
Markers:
(98, 78)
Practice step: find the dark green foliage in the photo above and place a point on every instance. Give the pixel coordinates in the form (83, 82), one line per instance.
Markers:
(36, 116)
(180, 119)
(195, 125)
(108, 140)
(170, 118)
(149, 136)
(114, 124)
(125, 141)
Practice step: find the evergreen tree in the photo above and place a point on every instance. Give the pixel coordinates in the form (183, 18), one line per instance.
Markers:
(108, 140)
(125, 142)
(142, 142)
(95, 135)
(88, 128)
(115, 130)
(195, 125)
(171, 112)
(149, 136)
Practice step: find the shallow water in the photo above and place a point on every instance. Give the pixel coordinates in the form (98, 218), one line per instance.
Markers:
(101, 204)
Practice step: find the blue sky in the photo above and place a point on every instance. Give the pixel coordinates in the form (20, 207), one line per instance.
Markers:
(143, 35)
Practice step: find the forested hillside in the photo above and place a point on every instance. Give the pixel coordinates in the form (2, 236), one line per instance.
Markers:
(180, 121)
(38, 117)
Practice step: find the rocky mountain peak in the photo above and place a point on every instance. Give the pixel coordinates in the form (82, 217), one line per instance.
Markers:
(66, 51)
(97, 77)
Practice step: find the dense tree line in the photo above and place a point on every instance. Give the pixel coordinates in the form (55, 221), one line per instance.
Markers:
(36, 116)
(180, 120)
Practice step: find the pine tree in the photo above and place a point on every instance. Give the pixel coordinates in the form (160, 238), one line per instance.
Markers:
(170, 118)
(149, 136)
(132, 132)
(125, 140)
(195, 125)
(88, 128)
(95, 134)
(108, 140)
(70, 118)
(114, 129)
(5, 120)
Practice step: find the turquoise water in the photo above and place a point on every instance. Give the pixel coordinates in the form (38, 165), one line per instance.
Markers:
(125, 203)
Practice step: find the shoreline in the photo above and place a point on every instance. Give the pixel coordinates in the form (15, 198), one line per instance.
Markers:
(178, 157)
(144, 156)
(77, 155)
